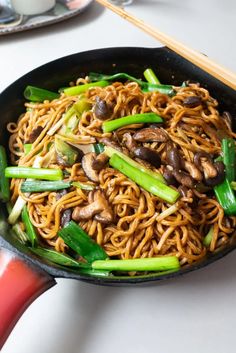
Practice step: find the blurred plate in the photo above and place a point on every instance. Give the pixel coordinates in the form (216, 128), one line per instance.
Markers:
(11, 22)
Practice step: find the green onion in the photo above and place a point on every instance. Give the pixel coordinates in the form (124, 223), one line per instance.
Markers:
(16, 210)
(65, 153)
(20, 202)
(164, 89)
(156, 175)
(229, 158)
(58, 258)
(150, 76)
(34, 173)
(208, 238)
(76, 90)
(4, 182)
(93, 76)
(144, 180)
(147, 264)
(35, 94)
(82, 105)
(30, 231)
(98, 148)
(83, 186)
(73, 115)
(145, 86)
(77, 239)
(92, 272)
(20, 234)
(112, 125)
(41, 186)
(70, 112)
(226, 197)
(27, 148)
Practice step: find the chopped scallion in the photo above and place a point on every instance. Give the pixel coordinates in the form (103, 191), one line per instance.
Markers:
(30, 231)
(58, 258)
(144, 180)
(151, 77)
(42, 186)
(76, 90)
(115, 124)
(78, 240)
(33, 173)
(162, 263)
(35, 94)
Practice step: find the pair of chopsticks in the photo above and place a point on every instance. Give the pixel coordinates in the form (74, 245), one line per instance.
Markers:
(198, 59)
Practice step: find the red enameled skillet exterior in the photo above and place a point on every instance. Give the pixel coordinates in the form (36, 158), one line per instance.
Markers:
(23, 276)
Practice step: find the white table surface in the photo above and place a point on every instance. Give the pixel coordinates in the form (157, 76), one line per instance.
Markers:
(196, 313)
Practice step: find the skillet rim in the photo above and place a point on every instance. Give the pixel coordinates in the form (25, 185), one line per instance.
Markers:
(58, 272)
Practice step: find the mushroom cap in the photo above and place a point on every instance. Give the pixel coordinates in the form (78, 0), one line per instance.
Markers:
(87, 165)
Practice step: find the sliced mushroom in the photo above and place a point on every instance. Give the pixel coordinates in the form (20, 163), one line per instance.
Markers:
(148, 155)
(192, 101)
(213, 172)
(199, 157)
(86, 212)
(205, 163)
(107, 215)
(129, 141)
(184, 179)
(66, 217)
(102, 110)
(109, 142)
(151, 135)
(87, 162)
(219, 178)
(99, 208)
(100, 161)
(209, 169)
(173, 157)
(169, 177)
(193, 170)
(34, 134)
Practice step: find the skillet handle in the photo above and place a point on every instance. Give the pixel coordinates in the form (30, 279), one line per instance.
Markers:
(20, 284)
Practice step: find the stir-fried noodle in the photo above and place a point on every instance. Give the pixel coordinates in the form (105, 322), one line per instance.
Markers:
(143, 225)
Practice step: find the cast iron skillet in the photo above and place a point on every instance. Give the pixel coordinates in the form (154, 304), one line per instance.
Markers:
(23, 276)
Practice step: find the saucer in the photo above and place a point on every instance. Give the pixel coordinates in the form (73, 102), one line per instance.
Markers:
(11, 22)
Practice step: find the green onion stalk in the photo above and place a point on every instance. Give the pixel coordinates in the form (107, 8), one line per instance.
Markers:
(111, 125)
(35, 94)
(162, 263)
(33, 173)
(78, 240)
(151, 77)
(76, 90)
(145, 86)
(30, 231)
(144, 180)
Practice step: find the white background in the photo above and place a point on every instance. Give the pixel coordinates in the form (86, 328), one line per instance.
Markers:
(195, 313)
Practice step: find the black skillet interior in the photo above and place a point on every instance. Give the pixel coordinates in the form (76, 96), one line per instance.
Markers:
(170, 68)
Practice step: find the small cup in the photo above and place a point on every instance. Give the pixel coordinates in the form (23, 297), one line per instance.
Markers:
(32, 7)
(121, 2)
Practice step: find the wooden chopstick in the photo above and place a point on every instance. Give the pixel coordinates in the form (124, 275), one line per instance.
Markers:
(198, 59)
